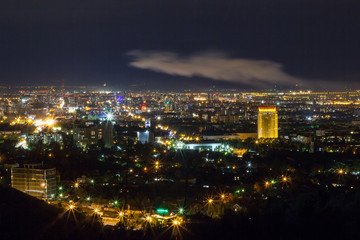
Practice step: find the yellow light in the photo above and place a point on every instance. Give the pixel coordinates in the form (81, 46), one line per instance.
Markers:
(210, 201)
(222, 196)
(341, 171)
(267, 122)
(71, 207)
(285, 179)
(76, 185)
(49, 122)
(177, 222)
(267, 109)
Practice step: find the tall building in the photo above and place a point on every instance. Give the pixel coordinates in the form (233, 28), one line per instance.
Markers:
(35, 180)
(268, 122)
(108, 136)
(87, 133)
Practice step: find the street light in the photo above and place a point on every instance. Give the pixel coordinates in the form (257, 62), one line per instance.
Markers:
(148, 219)
(285, 179)
(96, 211)
(71, 207)
(181, 210)
(177, 222)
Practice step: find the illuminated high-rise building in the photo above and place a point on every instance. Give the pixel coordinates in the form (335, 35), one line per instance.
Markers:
(36, 180)
(108, 134)
(268, 122)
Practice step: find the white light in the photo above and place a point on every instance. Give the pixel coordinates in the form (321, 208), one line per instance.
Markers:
(109, 116)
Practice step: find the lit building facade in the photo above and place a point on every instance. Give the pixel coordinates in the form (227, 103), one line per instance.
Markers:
(145, 137)
(87, 133)
(35, 180)
(268, 122)
(108, 136)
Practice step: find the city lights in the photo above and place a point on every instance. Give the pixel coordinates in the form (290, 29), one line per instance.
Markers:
(176, 222)
(148, 219)
(180, 120)
(211, 150)
(96, 211)
(210, 201)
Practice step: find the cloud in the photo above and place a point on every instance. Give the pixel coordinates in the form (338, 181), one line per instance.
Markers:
(215, 66)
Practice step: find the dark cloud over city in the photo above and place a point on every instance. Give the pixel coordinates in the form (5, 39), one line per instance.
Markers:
(216, 66)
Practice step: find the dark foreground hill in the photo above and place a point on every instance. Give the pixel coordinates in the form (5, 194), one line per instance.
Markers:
(310, 215)
(25, 217)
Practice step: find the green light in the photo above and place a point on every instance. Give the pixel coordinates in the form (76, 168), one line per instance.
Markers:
(181, 210)
(88, 199)
(60, 188)
(162, 211)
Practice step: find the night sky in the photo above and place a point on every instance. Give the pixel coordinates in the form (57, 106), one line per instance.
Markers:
(181, 44)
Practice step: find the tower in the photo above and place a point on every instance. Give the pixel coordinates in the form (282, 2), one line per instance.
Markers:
(268, 122)
(108, 134)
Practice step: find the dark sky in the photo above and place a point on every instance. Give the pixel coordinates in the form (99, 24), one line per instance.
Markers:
(181, 43)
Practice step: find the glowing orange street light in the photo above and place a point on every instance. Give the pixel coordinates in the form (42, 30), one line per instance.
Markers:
(71, 207)
(177, 222)
(96, 211)
(148, 219)
(285, 179)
